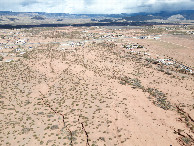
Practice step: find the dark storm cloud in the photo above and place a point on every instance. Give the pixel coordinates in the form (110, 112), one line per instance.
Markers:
(28, 2)
(162, 5)
(169, 7)
(96, 6)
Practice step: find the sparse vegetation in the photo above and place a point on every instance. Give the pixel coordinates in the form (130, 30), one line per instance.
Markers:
(63, 90)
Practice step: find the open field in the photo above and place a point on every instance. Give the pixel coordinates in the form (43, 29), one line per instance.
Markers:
(96, 86)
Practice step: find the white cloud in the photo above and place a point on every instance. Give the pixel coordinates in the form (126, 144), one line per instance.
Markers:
(95, 6)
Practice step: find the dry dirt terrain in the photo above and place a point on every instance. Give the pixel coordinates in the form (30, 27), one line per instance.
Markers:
(96, 86)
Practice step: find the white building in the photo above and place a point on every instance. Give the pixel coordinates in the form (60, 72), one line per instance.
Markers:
(20, 42)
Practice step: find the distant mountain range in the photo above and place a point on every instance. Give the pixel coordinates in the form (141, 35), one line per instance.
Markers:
(143, 16)
(9, 19)
(186, 14)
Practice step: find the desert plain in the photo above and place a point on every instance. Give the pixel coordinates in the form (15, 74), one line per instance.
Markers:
(97, 86)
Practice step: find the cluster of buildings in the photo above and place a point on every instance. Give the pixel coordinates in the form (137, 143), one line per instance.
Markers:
(188, 69)
(166, 61)
(171, 62)
(71, 44)
(10, 48)
(136, 48)
(133, 46)
(20, 42)
(149, 37)
(111, 36)
(190, 32)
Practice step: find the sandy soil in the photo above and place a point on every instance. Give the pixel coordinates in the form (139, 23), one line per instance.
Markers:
(97, 93)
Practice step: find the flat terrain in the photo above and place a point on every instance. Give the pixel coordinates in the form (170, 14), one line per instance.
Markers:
(96, 86)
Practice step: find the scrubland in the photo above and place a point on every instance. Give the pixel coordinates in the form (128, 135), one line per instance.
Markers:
(82, 86)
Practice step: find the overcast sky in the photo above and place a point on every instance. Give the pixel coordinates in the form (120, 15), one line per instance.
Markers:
(95, 6)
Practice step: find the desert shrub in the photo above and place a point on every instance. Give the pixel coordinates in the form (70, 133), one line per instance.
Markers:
(54, 127)
(168, 73)
(160, 98)
(183, 70)
(186, 140)
(25, 55)
(136, 83)
(1, 58)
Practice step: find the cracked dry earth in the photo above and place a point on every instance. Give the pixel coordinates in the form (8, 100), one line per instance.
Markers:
(57, 98)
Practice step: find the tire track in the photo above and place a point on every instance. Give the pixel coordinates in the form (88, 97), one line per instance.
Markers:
(63, 117)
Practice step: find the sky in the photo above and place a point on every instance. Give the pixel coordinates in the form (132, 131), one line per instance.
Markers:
(95, 6)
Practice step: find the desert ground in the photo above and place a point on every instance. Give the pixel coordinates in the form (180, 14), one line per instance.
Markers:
(97, 86)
